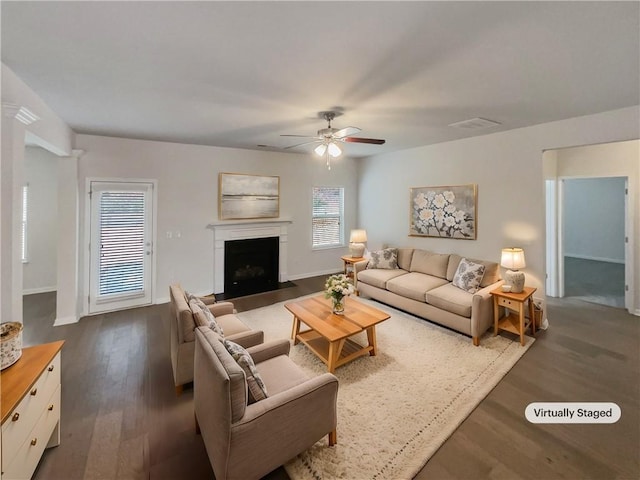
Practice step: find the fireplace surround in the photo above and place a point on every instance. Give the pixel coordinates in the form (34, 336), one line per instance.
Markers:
(241, 230)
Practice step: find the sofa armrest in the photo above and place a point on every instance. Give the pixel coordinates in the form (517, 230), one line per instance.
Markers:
(247, 339)
(359, 266)
(221, 308)
(268, 350)
(482, 309)
(208, 300)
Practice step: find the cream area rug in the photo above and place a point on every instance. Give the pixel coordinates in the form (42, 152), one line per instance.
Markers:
(397, 408)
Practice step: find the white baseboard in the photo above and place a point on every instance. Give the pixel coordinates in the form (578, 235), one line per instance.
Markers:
(637, 312)
(65, 321)
(32, 291)
(597, 259)
(313, 274)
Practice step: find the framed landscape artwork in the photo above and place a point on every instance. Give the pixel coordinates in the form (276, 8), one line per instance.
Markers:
(248, 196)
(445, 212)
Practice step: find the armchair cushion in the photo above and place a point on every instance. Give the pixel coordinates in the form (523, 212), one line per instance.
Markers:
(257, 389)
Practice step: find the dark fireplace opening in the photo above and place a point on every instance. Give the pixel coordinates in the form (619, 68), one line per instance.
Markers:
(251, 266)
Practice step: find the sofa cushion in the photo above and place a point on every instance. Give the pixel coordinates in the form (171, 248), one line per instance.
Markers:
(468, 276)
(414, 285)
(203, 316)
(452, 299)
(491, 270)
(257, 389)
(430, 263)
(404, 258)
(386, 259)
(379, 277)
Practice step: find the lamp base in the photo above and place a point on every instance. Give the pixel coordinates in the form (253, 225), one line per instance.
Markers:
(356, 249)
(515, 280)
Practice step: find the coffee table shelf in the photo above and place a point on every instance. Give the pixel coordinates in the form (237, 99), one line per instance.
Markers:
(320, 346)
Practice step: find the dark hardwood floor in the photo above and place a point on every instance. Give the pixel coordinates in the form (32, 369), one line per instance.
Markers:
(121, 418)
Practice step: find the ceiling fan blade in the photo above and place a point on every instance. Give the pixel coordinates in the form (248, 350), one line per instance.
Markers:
(374, 141)
(301, 144)
(301, 136)
(345, 132)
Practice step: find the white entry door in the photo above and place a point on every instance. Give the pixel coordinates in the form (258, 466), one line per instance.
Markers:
(121, 247)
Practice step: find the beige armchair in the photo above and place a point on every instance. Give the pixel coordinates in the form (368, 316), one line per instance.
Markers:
(183, 325)
(247, 441)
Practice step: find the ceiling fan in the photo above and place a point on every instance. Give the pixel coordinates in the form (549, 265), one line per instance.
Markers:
(328, 138)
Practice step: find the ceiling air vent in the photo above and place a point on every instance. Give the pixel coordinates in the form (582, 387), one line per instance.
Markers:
(474, 123)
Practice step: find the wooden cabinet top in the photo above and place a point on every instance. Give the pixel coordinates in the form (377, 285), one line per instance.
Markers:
(16, 380)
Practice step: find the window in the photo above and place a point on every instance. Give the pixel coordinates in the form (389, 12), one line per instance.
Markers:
(23, 228)
(327, 217)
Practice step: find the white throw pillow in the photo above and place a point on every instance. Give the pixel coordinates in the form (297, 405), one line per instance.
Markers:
(257, 389)
(468, 276)
(385, 259)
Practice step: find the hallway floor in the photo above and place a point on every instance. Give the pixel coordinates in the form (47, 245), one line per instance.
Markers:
(594, 281)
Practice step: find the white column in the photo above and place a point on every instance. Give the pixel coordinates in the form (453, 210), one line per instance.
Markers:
(67, 299)
(12, 178)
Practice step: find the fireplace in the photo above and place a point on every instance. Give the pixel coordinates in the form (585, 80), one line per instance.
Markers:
(229, 231)
(250, 266)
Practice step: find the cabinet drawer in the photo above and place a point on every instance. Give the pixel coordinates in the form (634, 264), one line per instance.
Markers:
(23, 418)
(26, 458)
(512, 304)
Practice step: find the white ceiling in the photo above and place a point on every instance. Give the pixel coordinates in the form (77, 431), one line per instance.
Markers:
(240, 74)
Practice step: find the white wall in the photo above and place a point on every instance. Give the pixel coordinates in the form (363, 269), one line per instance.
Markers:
(41, 173)
(187, 202)
(51, 133)
(508, 169)
(594, 218)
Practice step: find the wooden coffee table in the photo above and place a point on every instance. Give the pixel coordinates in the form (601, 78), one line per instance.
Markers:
(328, 333)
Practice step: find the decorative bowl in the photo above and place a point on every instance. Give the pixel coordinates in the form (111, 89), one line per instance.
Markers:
(10, 343)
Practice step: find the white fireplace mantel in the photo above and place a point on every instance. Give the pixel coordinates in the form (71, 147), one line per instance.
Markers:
(240, 230)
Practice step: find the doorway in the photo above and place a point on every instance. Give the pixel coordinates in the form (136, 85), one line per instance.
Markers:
(593, 240)
(121, 245)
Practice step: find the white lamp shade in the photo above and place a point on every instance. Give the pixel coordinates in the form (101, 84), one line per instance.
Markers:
(334, 150)
(513, 258)
(358, 236)
(320, 149)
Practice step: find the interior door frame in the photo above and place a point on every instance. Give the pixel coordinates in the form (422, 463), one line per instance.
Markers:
(555, 263)
(87, 235)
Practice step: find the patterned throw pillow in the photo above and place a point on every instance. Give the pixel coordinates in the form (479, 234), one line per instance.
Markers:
(203, 316)
(257, 390)
(468, 276)
(386, 259)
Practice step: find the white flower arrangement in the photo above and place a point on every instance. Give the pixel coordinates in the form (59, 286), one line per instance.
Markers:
(338, 286)
(435, 213)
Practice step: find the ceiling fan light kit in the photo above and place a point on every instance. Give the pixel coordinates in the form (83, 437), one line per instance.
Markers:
(329, 137)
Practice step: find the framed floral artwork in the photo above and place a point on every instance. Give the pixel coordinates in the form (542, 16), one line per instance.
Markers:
(445, 212)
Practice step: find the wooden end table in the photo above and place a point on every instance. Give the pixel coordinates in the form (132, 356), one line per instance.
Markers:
(350, 269)
(514, 321)
(328, 334)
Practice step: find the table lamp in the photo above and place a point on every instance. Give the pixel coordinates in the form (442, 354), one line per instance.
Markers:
(356, 242)
(513, 260)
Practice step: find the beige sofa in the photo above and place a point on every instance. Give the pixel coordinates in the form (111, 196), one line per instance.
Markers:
(183, 325)
(245, 439)
(422, 285)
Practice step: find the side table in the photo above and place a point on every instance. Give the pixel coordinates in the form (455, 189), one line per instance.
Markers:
(349, 269)
(514, 303)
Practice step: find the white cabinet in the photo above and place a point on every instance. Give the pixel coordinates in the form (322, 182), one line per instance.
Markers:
(30, 409)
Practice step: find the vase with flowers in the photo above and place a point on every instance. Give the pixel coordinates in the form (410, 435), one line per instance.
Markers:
(336, 288)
